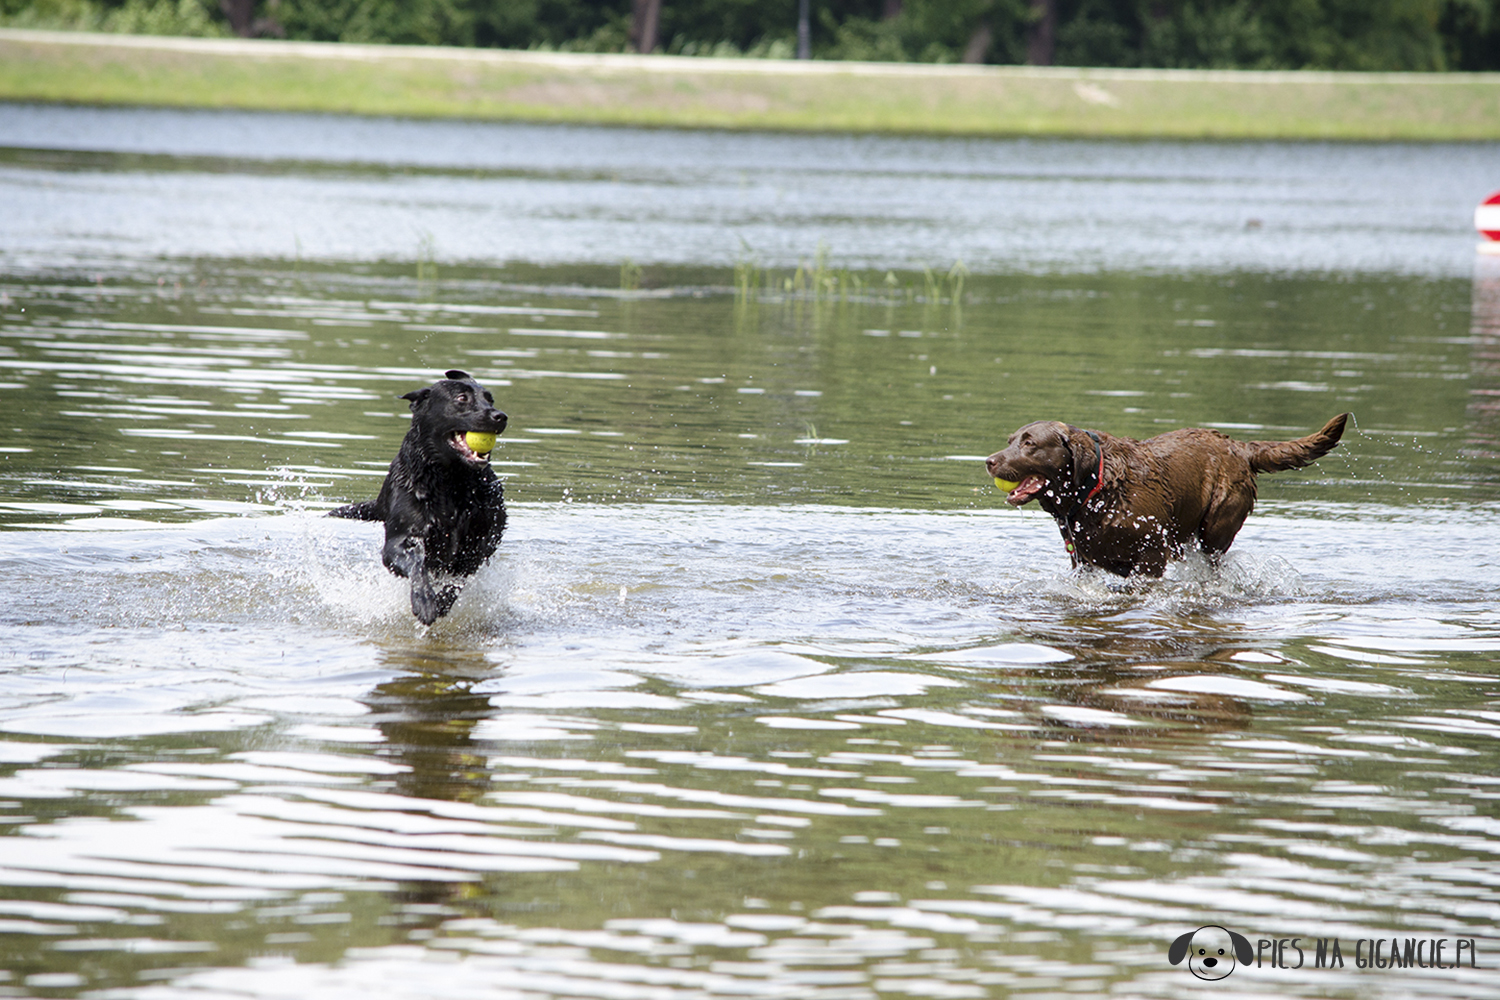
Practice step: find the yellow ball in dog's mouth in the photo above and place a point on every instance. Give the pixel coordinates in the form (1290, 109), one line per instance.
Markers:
(480, 443)
(1005, 485)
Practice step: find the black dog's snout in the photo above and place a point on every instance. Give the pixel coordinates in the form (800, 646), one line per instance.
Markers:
(498, 419)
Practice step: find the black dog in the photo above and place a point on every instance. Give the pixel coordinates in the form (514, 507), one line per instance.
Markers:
(442, 504)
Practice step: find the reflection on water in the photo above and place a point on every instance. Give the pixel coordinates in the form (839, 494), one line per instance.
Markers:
(605, 768)
(245, 388)
(1484, 392)
(83, 186)
(767, 693)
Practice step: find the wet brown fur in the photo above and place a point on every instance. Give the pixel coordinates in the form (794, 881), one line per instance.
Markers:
(1155, 497)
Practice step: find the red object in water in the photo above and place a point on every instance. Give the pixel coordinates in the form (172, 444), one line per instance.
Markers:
(1487, 217)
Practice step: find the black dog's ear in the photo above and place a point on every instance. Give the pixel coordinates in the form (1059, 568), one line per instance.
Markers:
(1242, 949)
(1179, 948)
(458, 376)
(416, 396)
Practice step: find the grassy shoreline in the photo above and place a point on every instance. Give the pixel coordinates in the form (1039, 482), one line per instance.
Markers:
(669, 91)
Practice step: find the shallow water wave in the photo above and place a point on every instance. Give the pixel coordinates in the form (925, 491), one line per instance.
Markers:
(321, 187)
(843, 582)
(767, 691)
(1010, 780)
(699, 398)
(949, 834)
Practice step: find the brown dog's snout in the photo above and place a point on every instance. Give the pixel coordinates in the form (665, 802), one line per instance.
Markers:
(992, 464)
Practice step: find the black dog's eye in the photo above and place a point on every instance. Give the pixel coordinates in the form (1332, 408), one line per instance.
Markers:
(462, 397)
(489, 397)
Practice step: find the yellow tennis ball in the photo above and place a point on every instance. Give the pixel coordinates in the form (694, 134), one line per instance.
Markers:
(1005, 484)
(481, 443)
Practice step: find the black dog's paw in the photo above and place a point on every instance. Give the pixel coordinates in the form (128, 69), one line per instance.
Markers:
(430, 603)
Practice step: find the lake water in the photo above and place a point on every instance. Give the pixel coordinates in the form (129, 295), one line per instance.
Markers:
(767, 693)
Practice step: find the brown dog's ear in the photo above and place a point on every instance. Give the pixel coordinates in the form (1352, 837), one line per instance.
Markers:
(415, 397)
(1091, 466)
(1081, 447)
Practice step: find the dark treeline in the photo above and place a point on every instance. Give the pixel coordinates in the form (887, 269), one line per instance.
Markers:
(1425, 35)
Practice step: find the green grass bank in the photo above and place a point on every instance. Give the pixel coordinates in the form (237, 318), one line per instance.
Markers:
(744, 93)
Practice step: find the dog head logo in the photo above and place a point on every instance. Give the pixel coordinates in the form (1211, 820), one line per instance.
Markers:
(1211, 951)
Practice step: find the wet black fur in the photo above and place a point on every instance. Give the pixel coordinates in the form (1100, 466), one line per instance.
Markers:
(443, 513)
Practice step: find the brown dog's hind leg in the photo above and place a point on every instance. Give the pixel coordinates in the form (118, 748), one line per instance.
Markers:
(1225, 516)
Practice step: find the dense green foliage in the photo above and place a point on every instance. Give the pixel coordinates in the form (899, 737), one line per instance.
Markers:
(1251, 34)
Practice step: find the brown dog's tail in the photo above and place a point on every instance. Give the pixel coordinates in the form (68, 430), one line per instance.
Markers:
(1278, 456)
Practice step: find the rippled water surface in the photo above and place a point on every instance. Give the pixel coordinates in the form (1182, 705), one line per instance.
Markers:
(767, 693)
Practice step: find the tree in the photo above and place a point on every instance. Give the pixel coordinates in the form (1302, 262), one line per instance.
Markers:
(645, 19)
(978, 44)
(1247, 34)
(1041, 35)
(242, 20)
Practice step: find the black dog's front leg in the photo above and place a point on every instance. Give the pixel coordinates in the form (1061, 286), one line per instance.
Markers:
(427, 603)
(406, 555)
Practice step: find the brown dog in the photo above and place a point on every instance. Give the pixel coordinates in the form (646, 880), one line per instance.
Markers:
(1128, 506)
